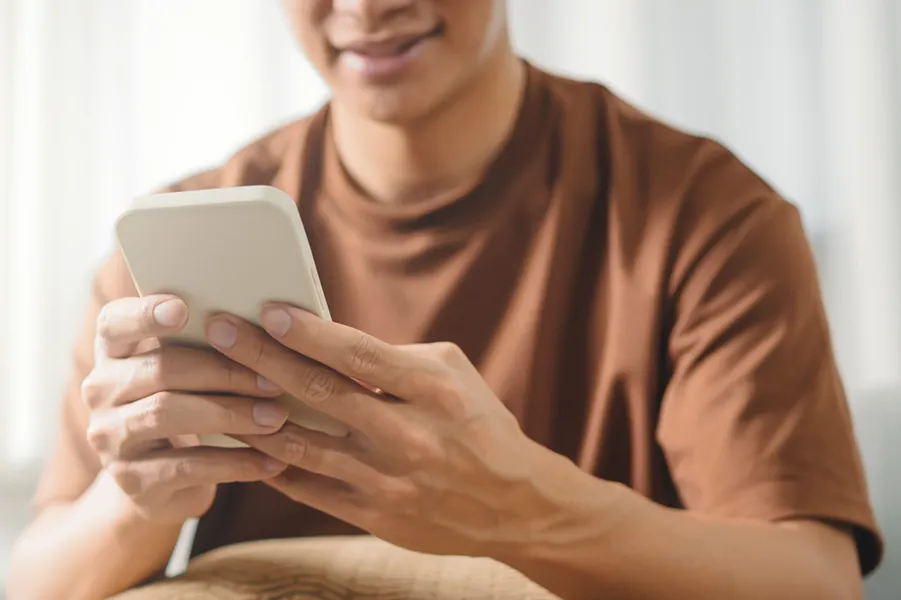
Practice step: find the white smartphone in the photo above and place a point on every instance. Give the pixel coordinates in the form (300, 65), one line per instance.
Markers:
(225, 251)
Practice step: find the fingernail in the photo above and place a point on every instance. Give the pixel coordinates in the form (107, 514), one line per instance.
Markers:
(222, 334)
(170, 313)
(276, 321)
(269, 414)
(273, 466)
(266, 385)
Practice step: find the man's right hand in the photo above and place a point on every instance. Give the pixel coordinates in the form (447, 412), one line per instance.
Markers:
(149, 402)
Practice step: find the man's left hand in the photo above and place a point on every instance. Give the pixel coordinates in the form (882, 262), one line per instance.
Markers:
(435, 462)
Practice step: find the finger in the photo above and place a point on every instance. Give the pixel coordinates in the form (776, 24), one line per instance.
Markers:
(172, 368)
(125, 431)
(352, 353)
(336, 458)
(310, 382)
(125, 322)
(165, 472)
(322, 493)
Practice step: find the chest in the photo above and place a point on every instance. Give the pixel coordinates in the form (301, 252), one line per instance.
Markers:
(569, 343)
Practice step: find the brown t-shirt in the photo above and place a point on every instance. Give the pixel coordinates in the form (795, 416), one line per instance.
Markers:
(643, 302)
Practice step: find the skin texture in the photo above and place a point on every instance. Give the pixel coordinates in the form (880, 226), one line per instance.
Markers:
(403, 138)
(467, 38)
(435, 462)
(144, 433)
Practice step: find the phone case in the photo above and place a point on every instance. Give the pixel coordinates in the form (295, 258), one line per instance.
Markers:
(225, 250)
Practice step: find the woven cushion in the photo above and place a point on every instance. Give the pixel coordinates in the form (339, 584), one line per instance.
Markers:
(339, 569)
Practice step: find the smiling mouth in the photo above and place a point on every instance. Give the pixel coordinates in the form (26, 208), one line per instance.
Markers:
(377, 58)
(388, 47)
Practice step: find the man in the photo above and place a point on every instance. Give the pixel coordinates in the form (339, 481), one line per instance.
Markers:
(597, 348)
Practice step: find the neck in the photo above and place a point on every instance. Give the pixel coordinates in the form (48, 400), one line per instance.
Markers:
(446, 150)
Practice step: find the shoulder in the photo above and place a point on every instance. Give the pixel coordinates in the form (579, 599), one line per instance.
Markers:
(668, 194)
(648, 158)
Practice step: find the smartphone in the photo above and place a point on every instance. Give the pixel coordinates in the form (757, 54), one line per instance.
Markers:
(229, 250)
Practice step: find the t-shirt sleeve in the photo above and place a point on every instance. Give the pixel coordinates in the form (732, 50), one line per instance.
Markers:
(754, 422)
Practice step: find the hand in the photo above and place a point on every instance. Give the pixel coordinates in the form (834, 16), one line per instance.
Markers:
(149, 402)
(434, 463)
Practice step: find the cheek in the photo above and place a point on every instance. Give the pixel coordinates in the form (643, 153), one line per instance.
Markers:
(476, 28)
(308, 22)
(317, 50)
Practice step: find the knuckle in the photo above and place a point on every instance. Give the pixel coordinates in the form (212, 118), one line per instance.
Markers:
(233, 374)
(104, 321)
(364, 356)
(420, 448)
(257, 352)
(110, 436)
(480, 430)
(92, 391)
(226, 419)
(99, 438)
(157, 412)
(321, 386)
(450, 353)
(146, 321)
(150, 368)
(128, 480)
(451, 397)
(395, 492)
(182, 469)
(296, 450)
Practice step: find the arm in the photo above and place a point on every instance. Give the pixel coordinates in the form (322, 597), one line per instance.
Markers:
(92, 543)
(67, 551)
(753, 424)
(79, 512)
(627, 547)
(92, 547)
(756, 432)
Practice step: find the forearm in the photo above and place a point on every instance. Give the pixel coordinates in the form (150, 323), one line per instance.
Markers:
(615, 544)
(92, 548)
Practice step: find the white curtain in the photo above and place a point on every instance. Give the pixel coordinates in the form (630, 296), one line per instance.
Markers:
(101, 100)
(104, 100)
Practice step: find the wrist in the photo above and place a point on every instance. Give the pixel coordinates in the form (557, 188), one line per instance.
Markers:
(570, 514)
(123, 517)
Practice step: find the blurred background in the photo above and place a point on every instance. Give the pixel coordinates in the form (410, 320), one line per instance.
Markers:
(103, 100)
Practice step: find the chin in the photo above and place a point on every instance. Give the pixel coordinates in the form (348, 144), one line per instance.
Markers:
(404, 100)
(394, 108)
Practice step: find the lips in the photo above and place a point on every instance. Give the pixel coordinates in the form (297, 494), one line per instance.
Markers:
(384, 48)
(386, 45)
(385, 57)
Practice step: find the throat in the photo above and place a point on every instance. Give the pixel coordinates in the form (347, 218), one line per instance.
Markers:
(444, 153)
